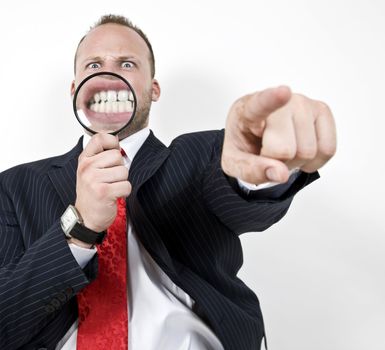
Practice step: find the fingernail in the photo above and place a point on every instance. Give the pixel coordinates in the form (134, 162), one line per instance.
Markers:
(272, 175)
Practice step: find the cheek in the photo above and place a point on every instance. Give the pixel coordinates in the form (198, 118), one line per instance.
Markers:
(138, 87)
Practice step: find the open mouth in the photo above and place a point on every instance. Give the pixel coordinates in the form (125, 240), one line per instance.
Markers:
(105, 103)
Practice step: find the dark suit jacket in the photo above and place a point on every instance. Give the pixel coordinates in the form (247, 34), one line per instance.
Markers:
(186, 212)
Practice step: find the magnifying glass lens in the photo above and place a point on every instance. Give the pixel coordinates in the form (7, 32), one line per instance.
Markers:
(104, 102)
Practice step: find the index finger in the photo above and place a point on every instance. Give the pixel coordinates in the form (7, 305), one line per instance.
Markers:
(101, 142)
(261, 104)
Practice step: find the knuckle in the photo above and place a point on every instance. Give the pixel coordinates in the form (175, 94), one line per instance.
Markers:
(115, 156)
(82, 167)
(284, 153)
(97, 139)
(101, 191)
(299, 99)
(323, 107)
(240, 105)
(306, 153)
(327, 151)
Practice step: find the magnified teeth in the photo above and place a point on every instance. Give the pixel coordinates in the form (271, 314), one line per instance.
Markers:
(102, 107)
(112, 107)
(121, 107)
(128, 106)
(111, 96)
(97, 97)
(108, 107)
(103, 95)
(123, 95)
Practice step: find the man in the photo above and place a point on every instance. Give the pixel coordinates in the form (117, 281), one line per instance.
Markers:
(186, 206)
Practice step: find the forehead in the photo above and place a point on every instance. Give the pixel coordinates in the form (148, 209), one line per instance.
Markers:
(112, 39)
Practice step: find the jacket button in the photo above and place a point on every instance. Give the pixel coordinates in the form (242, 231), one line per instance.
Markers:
(55, 303)
(62, 297)
(49, 308)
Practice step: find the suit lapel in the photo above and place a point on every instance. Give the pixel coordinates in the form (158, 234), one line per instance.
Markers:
(148, 159)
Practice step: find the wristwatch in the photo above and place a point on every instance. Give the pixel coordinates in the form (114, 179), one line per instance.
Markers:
(73, 227)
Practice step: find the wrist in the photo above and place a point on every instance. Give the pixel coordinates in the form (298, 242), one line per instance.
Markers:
(74, 228)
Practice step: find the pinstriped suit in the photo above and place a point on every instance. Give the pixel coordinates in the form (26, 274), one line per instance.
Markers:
(187, 214)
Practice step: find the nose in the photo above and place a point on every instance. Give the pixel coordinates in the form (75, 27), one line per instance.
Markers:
(111, 64)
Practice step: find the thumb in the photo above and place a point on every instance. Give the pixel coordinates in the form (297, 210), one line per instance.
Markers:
(254, 169)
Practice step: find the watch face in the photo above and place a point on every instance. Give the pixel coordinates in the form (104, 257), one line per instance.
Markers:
(68, 220)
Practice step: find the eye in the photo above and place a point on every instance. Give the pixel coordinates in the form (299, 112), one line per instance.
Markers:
(127, 64)
(94, 65)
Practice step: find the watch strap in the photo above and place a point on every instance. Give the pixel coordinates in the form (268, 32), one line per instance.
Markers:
(86, 235)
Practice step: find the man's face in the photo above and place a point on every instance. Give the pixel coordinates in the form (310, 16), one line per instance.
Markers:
(119, 49)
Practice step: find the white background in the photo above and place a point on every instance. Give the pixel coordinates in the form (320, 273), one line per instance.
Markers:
(319, 273)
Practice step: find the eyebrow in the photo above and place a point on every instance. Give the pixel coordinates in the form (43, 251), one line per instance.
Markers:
(119, 58)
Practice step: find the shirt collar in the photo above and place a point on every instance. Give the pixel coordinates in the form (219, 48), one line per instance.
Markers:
(130, 144)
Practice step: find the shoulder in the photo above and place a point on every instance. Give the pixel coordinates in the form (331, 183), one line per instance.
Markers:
(198, 141)
(37, 168)
(193, 151)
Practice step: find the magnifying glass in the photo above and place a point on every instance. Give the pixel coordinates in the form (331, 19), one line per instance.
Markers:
(104, 102)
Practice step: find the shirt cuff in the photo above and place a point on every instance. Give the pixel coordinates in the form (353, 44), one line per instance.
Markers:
(82, 255)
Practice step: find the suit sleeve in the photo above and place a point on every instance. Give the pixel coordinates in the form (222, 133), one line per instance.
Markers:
(37, 276)
(242, 212)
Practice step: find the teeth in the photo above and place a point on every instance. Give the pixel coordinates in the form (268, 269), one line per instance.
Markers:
(111, 96)
(123, 95)
(128, 106)
(112, 101)
(102, 107)
(97, 97)
(121, 107)
(112, 107)
(108, 107)
(103, 95)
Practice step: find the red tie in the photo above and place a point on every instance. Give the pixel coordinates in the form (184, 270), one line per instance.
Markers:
(103, 315)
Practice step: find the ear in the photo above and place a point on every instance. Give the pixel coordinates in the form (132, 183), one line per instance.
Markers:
(155, 90)
(72, 88)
